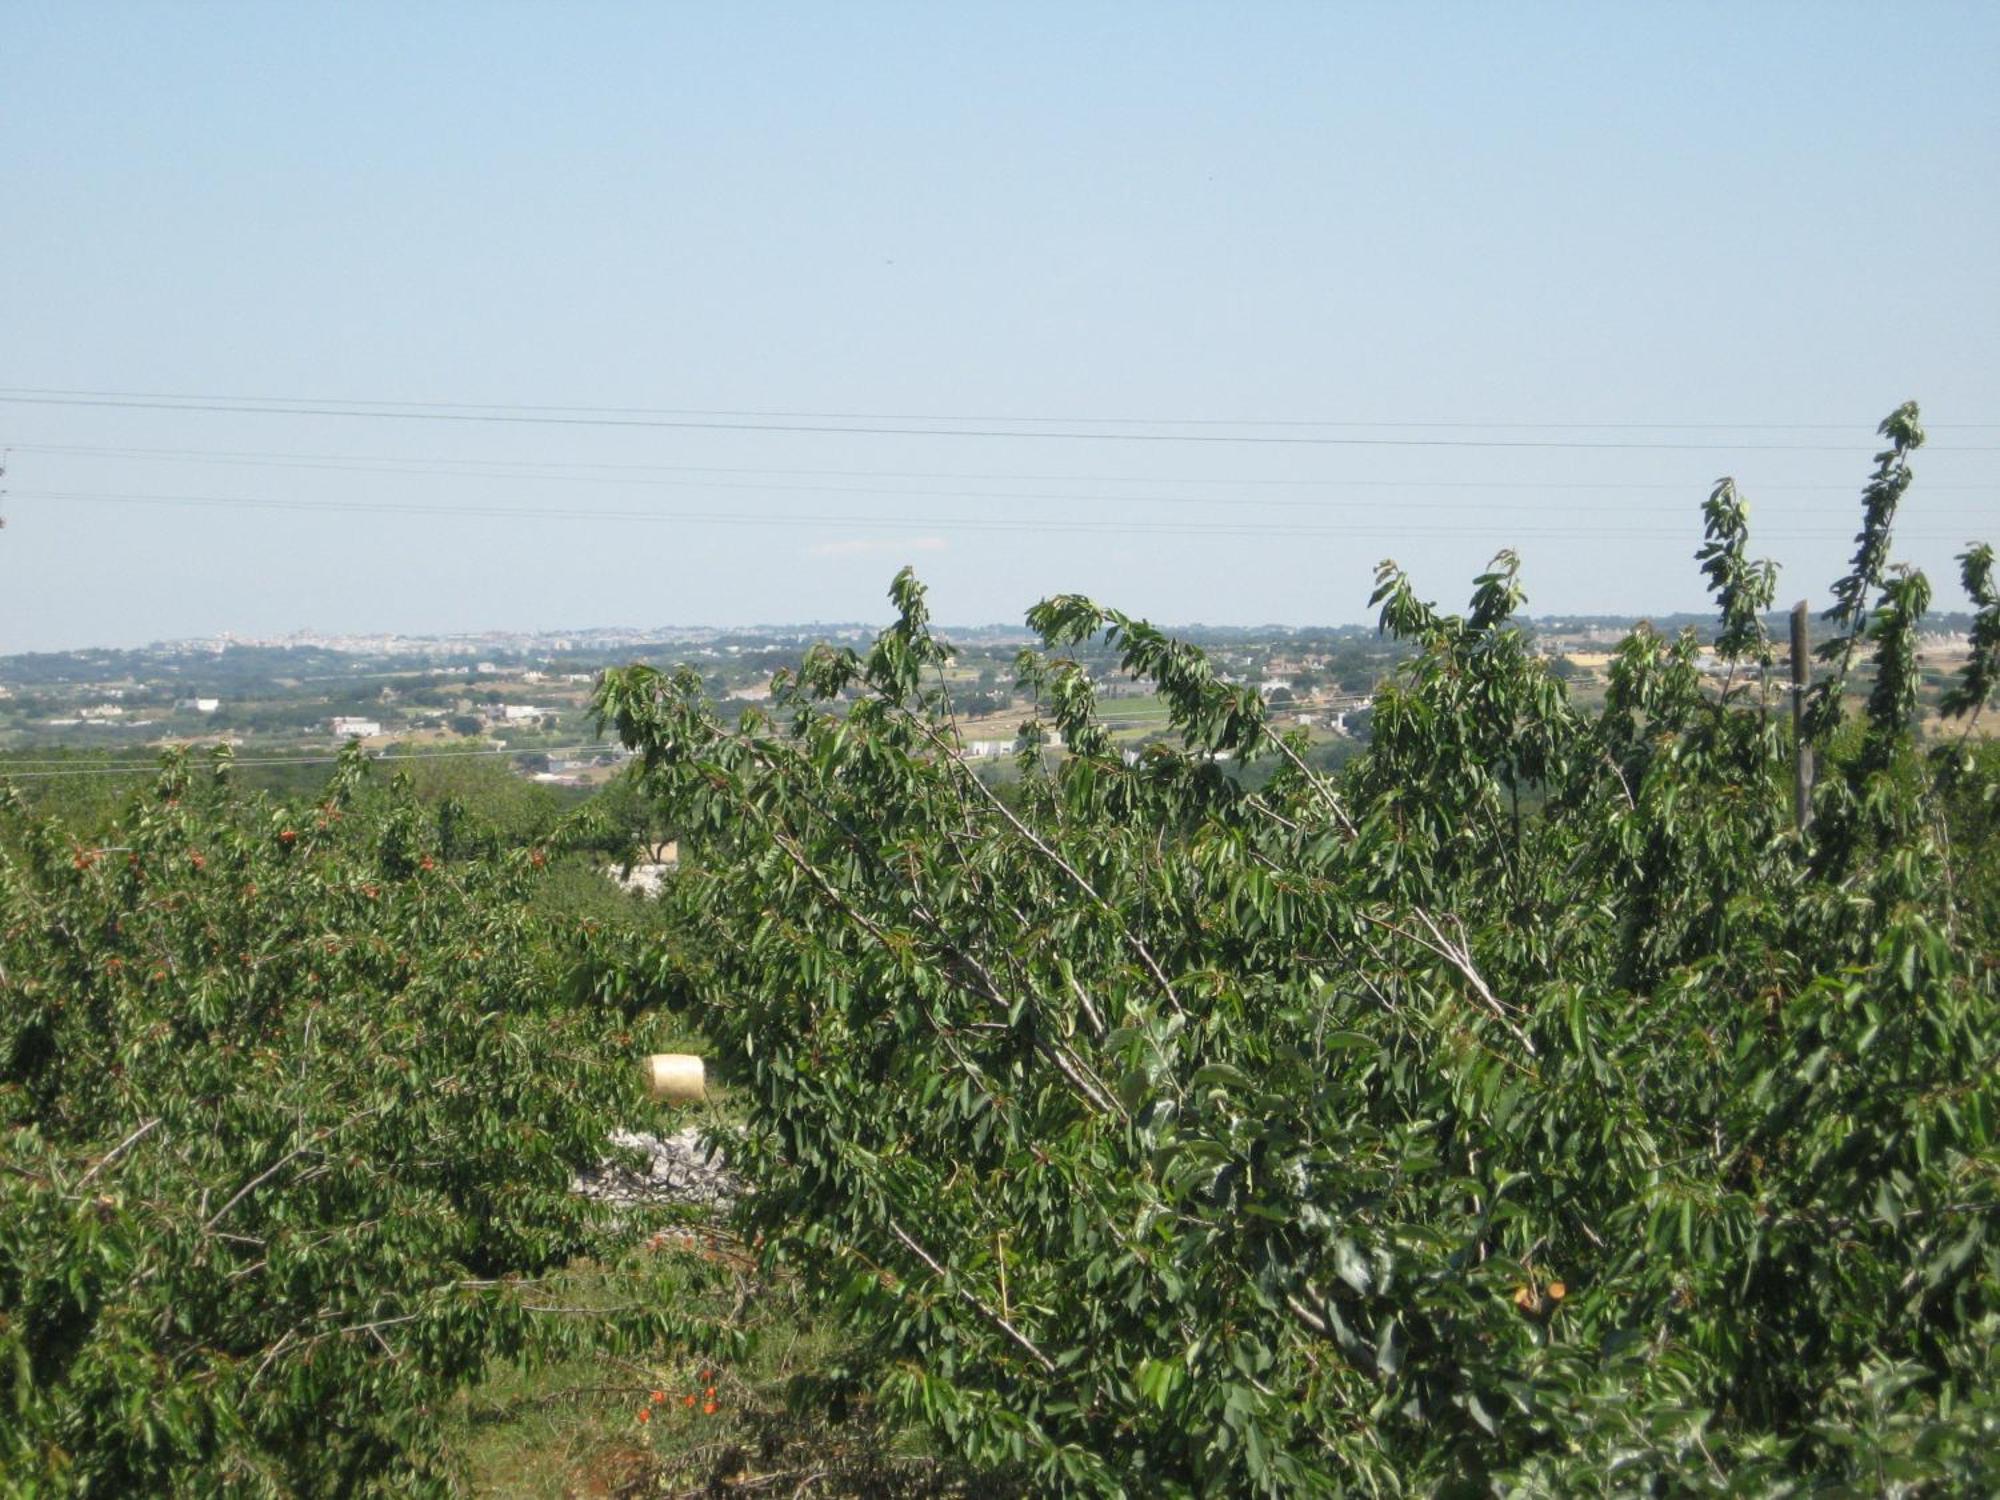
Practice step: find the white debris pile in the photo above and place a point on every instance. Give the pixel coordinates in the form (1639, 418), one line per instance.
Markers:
(646, 880)
(676, 1169)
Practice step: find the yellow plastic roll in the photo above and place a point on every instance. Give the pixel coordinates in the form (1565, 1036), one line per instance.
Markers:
(675, 1078)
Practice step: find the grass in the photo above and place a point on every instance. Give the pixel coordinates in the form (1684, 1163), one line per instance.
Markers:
(788, 1420)
(784, 1420)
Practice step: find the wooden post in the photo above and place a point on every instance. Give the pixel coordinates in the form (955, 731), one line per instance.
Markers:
(1802, 767)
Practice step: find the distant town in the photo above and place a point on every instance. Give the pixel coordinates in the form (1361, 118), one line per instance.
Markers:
(525, 695)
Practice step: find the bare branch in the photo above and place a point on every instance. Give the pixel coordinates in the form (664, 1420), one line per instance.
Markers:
(119, 1150)
(992, 1317)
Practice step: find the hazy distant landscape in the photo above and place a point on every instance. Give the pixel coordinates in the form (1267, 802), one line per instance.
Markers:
(528, 694)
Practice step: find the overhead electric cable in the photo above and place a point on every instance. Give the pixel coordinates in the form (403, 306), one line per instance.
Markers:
(137, 768)
(895, 523)
(544, 472)
(786, 414)
(883, 430)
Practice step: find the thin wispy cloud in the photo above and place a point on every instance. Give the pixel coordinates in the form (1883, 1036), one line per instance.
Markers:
(875, 546)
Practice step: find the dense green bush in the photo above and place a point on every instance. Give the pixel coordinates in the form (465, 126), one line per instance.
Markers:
(1533, 1109)
(290, 1101)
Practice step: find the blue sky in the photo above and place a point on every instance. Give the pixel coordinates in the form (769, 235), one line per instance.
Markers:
(1469, 215)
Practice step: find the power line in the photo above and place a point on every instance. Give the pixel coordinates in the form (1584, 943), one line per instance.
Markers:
(255, 457)
(135, 768)
(779, 414)
(547, 471)
(7, 760)
(924, 524)
(244, 408)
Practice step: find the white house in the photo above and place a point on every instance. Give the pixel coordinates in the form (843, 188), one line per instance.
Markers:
(355, 729)
(197, 705)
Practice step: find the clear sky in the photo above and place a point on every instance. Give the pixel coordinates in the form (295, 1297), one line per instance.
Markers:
(1465, 215)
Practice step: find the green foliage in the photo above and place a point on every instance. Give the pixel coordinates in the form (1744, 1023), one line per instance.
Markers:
(483, 808)
(1851, 592)
(1975, 688)
(1531, 1109)
(1743, 589)
(84, 793)
(1892, 703)
(622, 822)
(290, 1102)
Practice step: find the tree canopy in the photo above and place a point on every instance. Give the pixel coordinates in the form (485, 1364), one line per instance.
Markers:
(291, 1098)
(1531, 1108)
